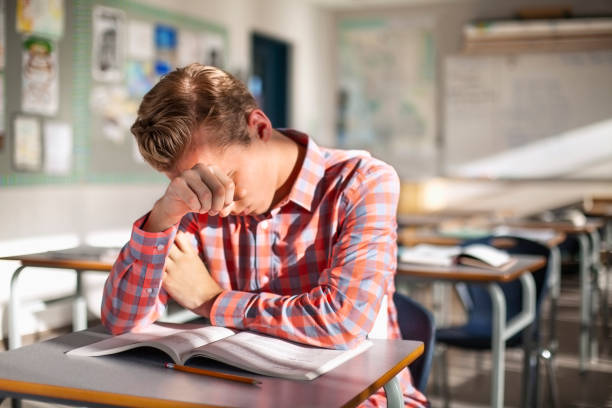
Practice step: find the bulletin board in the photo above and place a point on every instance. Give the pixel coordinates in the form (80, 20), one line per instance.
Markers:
(110, 54)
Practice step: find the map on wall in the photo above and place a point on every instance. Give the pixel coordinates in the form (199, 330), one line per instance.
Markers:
(387, 96)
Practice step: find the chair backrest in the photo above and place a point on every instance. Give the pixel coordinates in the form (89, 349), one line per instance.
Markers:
(417, 323)
(480, 298)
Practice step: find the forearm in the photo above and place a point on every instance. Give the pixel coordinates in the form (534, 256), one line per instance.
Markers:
(132, 294)
(322, 317)
(158, 220)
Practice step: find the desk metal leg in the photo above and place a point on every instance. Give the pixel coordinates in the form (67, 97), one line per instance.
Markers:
(79, 305)
(597, 273)
(548, 351)
(555, 292)
(503, 331)
(585, 300)
(606, 268)
(498, 345)
(14, 335)
(393, 392)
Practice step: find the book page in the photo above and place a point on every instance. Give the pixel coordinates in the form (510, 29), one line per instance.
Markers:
(430, 254)
(174, 339)
(277, 357)
(487, 254)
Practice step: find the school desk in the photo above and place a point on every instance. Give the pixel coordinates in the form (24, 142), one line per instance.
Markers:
(411, 238)
(43, 372)
(502, 330)
(79, 259)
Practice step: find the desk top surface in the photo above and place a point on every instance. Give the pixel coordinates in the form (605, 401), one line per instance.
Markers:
(43, 371)
(559, 226)
(524, 263)
(410, 238)
(82, 258)
(600, 209)
(438, 217)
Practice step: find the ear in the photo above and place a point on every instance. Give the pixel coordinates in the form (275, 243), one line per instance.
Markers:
(259, 125)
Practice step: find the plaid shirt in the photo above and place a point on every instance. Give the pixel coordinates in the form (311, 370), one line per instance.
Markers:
(313, 269)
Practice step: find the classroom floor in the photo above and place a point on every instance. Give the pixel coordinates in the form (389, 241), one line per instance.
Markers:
(469, 372)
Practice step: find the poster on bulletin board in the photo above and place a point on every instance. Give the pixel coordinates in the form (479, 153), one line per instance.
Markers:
(40, 77)
(107, 47)
(42, 17)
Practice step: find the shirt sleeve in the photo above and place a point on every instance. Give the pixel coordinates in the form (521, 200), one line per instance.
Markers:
(341, 310)
(133, 295)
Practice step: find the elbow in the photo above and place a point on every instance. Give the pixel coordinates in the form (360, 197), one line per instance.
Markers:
(112, 321)
(343, 326)
(109, 321)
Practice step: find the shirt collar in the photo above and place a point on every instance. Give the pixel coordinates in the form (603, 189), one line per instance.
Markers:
(312, 171)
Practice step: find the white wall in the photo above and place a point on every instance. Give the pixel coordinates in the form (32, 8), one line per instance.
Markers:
(35, 218)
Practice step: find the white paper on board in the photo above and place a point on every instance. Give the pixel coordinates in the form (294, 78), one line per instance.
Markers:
(57, 147)
(188, 49)
(140, 41)
(27, 150)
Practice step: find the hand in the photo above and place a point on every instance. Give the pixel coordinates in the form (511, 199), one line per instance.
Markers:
(203, 189)
(186, 278)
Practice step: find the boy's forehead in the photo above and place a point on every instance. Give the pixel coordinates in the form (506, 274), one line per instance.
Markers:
(195, 154)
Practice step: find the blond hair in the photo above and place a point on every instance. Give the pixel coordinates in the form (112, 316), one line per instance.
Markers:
(184, 100)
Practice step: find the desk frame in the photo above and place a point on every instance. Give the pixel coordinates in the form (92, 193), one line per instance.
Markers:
(79, 305)
(502, 330)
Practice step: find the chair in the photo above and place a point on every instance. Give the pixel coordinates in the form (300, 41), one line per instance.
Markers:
(416, 323)
(476, 333)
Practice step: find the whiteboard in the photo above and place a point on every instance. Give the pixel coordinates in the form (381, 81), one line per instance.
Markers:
(500, 103)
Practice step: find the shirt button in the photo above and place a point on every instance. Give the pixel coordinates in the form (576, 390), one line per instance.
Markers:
(264, 225)
(150, 290)
(160, 247)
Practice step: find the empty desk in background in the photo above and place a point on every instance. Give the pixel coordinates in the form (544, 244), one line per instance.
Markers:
(602, 207)
(79, 259)
(588, 253)
(410, 238)
(43, 372)
(502, 330)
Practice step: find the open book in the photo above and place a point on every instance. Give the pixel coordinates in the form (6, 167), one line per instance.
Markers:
(478, 255)
(250, 351)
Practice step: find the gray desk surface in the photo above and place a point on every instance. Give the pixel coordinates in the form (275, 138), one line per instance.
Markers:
(523, 264)
(43, 372)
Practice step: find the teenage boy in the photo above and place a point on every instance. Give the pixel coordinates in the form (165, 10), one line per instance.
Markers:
(259, 228)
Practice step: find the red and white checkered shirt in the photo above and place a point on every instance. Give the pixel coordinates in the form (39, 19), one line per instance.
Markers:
(313, 270)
